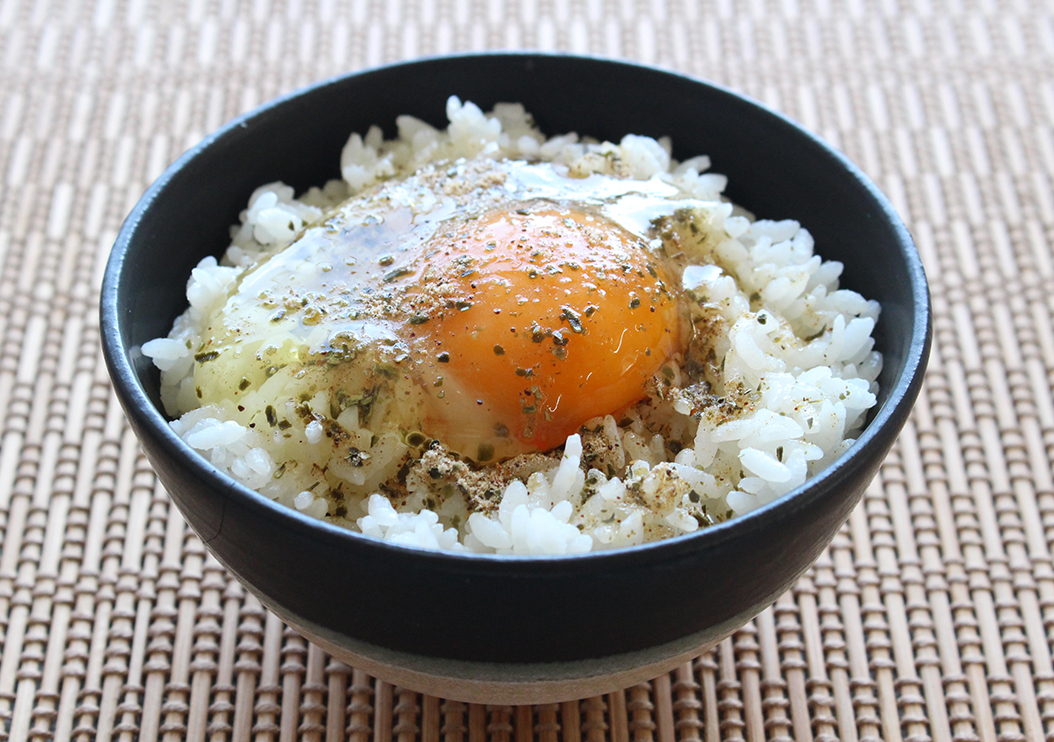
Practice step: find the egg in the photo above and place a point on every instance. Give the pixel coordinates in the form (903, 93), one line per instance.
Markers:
(493, 306)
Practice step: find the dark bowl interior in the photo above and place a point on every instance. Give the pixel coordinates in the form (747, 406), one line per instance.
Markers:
(507, 609)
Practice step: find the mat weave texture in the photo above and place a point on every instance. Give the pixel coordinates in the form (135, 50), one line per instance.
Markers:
(931, 616)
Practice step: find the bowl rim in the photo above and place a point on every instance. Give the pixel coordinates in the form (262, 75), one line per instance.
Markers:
(893, 411)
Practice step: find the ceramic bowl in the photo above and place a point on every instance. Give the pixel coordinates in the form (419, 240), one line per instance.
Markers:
(495, 628)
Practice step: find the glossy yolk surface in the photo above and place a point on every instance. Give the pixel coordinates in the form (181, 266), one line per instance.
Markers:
(549, 316)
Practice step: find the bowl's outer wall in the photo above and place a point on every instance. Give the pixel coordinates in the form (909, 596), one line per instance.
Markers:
(494, 609)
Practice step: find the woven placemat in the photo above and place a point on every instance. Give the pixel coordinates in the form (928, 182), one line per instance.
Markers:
(930, 616)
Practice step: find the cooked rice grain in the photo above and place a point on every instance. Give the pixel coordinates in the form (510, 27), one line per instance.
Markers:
(804, 352)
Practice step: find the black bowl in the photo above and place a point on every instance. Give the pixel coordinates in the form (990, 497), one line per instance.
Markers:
(500, 628)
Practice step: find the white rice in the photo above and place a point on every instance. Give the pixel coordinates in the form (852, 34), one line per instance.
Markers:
(806, 352)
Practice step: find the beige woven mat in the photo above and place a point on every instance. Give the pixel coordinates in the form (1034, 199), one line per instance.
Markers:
(931, 615)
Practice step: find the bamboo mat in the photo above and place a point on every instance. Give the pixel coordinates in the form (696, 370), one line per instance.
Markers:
(931, 615)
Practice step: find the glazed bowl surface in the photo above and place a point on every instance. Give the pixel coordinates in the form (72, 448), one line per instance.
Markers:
(498, 628)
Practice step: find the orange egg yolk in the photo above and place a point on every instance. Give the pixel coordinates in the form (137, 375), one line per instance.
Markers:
(546, 317)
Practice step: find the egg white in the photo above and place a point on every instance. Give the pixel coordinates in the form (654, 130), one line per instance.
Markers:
(328, 314)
